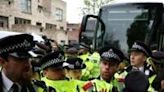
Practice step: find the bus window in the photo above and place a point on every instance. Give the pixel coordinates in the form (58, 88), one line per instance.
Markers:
(127, 23)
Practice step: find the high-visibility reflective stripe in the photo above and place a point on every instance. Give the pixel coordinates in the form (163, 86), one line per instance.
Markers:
(151, 79)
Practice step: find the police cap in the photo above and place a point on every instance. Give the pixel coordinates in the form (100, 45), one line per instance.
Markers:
(111, 54)
(54, 59)
(142, 47)
(74, 63)
(18, 45)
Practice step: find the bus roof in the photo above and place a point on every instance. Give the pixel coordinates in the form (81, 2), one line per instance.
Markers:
(136, 1)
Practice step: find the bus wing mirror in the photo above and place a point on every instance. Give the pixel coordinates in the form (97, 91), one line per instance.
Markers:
(88, 29)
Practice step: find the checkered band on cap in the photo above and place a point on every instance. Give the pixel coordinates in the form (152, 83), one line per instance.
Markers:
(110, 54)
(136, 46)
(53, 61)
(24, 44)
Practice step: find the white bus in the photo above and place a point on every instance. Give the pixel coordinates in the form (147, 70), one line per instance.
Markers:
(122, 22)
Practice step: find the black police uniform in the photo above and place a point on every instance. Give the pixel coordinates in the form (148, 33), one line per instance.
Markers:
(19, 46)
(147, 68)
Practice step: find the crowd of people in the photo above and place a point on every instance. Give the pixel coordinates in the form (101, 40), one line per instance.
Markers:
(30, 66)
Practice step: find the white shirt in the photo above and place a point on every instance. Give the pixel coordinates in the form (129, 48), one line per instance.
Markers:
(140, 68)
(7, 83)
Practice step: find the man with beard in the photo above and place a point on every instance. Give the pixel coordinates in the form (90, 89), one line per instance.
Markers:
(14, 59)
(15, 52)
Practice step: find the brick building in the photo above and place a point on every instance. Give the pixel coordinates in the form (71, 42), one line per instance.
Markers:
(73, 33)
(37, 16)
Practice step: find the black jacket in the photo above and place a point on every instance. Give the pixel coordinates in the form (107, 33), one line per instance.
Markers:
(30, 87)
(151, 72)
(1, 84)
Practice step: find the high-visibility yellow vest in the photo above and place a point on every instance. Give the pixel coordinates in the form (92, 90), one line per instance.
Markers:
(61, 85)
(79, 85)
(98, 85)
(41, 90)
(92, 66)
(115, 84)
(84, 57)
(151, 79)
(86, 73)
(95, 57)
(41, 87)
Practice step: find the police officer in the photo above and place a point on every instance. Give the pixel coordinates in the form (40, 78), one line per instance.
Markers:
(14, 60)
(15, 75)
(73, 67)
(110, 60)
(138, 62)
(138, 55)
(15, 54)
(51, 64)
(54, 75)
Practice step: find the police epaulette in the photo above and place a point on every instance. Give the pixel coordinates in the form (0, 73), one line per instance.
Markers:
(39, 83)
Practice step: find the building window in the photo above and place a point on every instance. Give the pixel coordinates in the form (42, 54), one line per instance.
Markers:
(26, 6)
(50, 26)
(59, 14)
(3, 22)
(62, 28)
(22, 21)
(38, 24)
